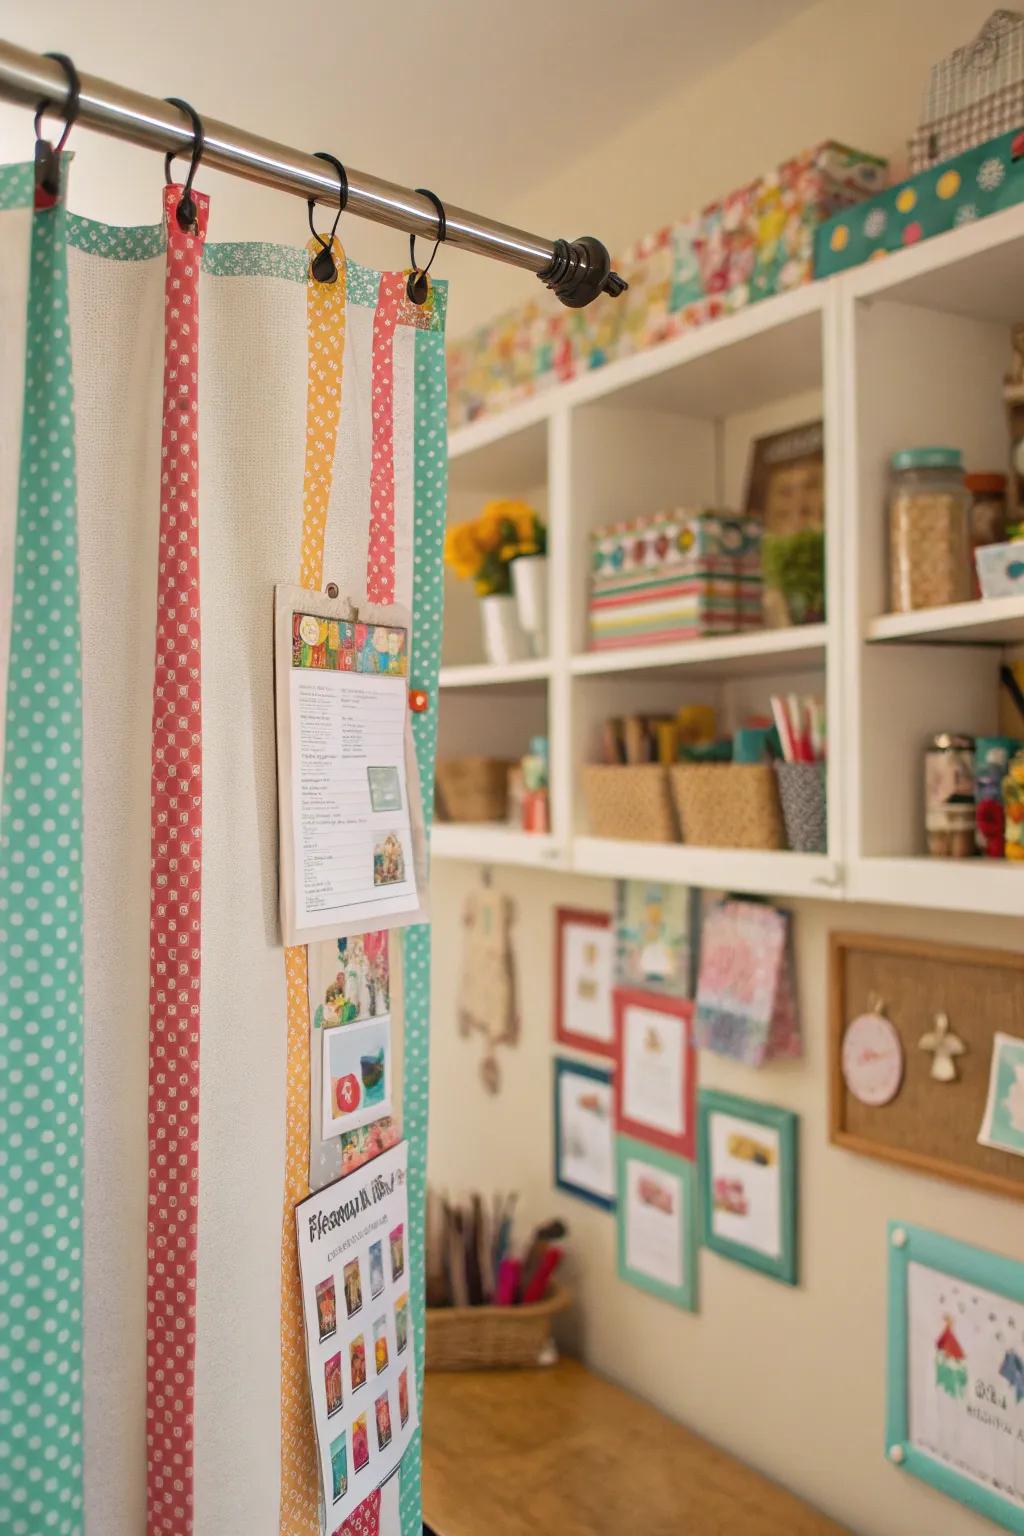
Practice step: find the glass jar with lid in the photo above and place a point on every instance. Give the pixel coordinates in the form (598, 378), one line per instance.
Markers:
(929, 529)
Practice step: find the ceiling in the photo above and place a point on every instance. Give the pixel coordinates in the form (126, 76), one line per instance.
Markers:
(467, 96)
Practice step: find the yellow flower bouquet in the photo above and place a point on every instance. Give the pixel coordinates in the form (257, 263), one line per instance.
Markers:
(482, 549)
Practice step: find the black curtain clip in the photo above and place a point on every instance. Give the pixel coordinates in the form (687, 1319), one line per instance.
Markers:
(323, 268)
(187, 212)
(47, 158)
(417, 286)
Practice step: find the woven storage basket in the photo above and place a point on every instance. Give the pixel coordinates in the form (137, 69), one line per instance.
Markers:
(630, 802)
(473, 788)
(728, 805)
(478, 1338)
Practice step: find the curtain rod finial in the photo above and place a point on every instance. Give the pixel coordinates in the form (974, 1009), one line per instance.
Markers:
(579, 272)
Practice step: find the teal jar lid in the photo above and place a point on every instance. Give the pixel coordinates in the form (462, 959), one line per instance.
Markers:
(928, 458)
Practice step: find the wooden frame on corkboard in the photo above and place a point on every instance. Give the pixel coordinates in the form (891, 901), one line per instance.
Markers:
(929, 1126)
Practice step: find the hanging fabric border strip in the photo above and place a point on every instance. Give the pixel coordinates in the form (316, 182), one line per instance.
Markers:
(175, 897)
(430, 493)
(41, 946)
(325, 329)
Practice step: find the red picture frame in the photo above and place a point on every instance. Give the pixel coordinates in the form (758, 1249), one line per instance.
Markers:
(565, 918)
(681, 1009)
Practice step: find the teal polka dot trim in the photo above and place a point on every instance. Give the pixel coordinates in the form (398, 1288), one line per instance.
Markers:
(41, 942)
(430, 474)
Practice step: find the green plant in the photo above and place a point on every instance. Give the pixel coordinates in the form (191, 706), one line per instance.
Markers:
(794, 564)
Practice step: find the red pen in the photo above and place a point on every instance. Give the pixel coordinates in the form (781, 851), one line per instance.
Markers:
(507, 1285)
(538, 1285)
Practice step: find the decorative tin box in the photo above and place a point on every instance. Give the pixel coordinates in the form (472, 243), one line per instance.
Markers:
(674, 576)
(985, 180)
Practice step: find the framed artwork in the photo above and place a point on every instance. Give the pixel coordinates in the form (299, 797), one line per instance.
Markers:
(657, 1222)
(656, 1070)
(748, 1169)
(584, 1132)
(955, 1398)
(583, 981)
(656, 933)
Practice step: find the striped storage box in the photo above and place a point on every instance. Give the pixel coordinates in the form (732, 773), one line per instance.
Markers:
(674, 576)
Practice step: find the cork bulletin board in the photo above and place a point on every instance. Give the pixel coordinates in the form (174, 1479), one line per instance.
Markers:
(931, 1126)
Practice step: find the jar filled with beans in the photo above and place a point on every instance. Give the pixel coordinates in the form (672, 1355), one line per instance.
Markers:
(929, 529)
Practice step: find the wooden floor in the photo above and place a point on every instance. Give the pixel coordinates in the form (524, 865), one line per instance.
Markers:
(514, 1453)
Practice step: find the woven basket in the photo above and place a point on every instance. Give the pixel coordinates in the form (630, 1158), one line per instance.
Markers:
(481, 1338)
(473, 788)
(728, 805)
(629, 802)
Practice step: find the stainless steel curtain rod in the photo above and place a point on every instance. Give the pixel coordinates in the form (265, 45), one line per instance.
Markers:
(576, 271)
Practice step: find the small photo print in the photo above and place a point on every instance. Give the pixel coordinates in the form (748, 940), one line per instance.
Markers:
(385, 788)
(403, 1398)
(360, 1443)
(388, 860)
(349, 979)
(332, 1383)
(381, 649)
(356, 1072)
(382, 1410)
(326, 1308)
(376, 1268)
(380, 1345)
(357, 1362)
(396, 1240)
(339, 1468)
(1003, 1125)
(353, 1288)
(402, 1322)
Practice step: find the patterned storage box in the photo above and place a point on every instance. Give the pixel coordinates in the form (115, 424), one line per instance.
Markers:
(985, 180)
(757, 241)
(674, 576)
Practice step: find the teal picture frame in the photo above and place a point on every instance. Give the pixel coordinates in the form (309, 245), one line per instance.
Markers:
(970, 1266)
(785, 1266)
(565, 1066)
(683, 1295)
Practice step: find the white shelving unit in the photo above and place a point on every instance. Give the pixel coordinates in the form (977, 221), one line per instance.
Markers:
(908, 350)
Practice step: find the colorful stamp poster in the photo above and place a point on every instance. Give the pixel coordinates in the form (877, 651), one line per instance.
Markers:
(655, 936)
(351, 1242)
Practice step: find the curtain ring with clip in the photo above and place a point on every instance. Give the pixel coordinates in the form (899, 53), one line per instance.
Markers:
(323, 268)
(47, 158)
(187, 213)
(418, 284)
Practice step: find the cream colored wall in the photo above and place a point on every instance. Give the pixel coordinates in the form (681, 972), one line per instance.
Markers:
(790, 1380)
(853, 70)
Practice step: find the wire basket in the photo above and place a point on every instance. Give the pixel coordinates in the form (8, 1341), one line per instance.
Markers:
(492, 1338)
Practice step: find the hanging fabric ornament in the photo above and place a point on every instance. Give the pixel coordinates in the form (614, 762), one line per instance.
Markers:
(175, 892)
(41, 932)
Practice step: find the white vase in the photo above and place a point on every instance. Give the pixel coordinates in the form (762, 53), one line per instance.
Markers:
(504, 639)
(530, 585)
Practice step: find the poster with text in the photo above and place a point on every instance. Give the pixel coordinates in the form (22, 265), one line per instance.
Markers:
(965, 1380)
(354, 1272)
(351, 826)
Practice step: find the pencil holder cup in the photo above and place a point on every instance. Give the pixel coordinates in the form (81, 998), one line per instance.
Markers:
(804, 805)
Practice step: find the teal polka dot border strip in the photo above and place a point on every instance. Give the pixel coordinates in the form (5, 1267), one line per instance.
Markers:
(41, 942)
(430, 474)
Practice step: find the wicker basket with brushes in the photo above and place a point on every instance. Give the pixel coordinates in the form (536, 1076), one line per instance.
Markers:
(480, 1338)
